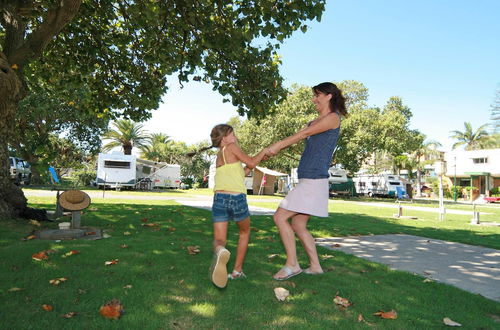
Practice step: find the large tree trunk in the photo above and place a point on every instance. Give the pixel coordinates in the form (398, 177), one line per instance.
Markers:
(12, 200)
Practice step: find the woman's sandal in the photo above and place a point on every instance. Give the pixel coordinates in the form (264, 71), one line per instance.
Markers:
(310, 272)
(288, 273)
(236, 275)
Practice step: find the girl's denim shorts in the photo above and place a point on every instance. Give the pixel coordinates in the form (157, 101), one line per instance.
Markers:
(229, 207)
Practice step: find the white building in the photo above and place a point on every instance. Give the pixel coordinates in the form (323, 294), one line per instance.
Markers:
(477, 168)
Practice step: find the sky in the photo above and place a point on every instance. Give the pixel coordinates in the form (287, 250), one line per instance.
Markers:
(442, 57)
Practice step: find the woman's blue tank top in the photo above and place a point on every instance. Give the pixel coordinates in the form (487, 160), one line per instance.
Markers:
(317, 155)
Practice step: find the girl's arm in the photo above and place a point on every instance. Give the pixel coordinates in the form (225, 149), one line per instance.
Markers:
(324, 124)
(250, 162)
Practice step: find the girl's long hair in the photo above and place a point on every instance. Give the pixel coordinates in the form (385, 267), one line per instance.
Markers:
(337, 102)
(217, 134)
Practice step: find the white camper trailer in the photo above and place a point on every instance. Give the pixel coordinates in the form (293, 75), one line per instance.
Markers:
(335, 175)
(161, 175)
(116, 170)
(379, 184)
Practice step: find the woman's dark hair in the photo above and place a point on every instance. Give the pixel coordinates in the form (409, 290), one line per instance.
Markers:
(337, 102)
(217, 134)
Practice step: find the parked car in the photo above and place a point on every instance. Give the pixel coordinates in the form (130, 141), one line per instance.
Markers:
(20, 171)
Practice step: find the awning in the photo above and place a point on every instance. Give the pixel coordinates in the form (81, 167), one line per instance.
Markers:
(270, 172)
(477, 173)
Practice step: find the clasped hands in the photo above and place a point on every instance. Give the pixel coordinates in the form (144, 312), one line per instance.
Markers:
(272, 150)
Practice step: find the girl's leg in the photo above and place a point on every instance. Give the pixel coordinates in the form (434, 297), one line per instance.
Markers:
(281, 217)
(219, 269)
(244, 227)
(220, 235)
(299, 225)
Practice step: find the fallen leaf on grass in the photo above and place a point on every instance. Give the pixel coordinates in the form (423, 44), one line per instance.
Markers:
(126, 233)
(106, 235)
(327, 256)
(343, 302)
(69, 315)
(112, 262)
(30, 237)
(40, 256)
(124, 246)
(70, 253)
(14, 289)
(193, 249)
(128, 286)
(451, 323)
(14, 66)
(36, 223)
(81, 291)
(171, 229)
(272, 256)
(47, 308)
(58, 281)
(112, 309)
(281, 293)
(150, 224)
(427, 280)
(392, 314)
(360, 318)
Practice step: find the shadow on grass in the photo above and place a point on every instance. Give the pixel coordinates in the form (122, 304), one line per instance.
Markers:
(162, 286)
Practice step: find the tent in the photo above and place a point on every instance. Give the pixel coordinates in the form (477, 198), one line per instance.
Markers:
(264, 180)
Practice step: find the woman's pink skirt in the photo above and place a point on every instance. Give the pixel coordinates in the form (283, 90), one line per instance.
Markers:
(309, 196)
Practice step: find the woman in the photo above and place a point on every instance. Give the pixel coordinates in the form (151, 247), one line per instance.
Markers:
(310, 196)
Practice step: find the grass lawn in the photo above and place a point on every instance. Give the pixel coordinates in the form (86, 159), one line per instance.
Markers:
(162, 286)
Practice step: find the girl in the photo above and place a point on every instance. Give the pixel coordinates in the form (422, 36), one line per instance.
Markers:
(230, 201)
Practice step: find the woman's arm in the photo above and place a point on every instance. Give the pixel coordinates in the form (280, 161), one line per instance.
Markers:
(250, 162)
(330, 121)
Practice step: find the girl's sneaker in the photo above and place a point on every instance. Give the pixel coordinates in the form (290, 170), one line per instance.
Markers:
(236, 275)
(219, 272)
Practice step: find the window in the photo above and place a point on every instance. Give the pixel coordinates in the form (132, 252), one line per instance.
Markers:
(116, 164)
(374, 183)
(361, 184)
(146, 170)
(394, 183)
(483, 160)
(463, 182)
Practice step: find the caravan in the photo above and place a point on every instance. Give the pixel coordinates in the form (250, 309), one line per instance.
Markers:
(161, 175)
(379, 185)
(117, 170)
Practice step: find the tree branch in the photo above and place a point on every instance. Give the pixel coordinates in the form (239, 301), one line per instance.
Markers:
(55, 20)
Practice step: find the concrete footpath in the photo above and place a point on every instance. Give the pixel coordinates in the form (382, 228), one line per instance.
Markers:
(471, 268)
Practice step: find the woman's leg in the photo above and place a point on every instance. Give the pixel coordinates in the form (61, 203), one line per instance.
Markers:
(244, 227)
(281, 217)
(299, 225)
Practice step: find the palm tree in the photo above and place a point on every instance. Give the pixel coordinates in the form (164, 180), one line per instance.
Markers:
(157, 146)
(471, 139)
(426, 153)
(127, 134)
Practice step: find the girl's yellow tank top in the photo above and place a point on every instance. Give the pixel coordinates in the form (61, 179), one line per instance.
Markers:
(230, 177)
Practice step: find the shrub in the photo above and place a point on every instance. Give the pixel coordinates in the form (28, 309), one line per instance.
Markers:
(83, 177)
